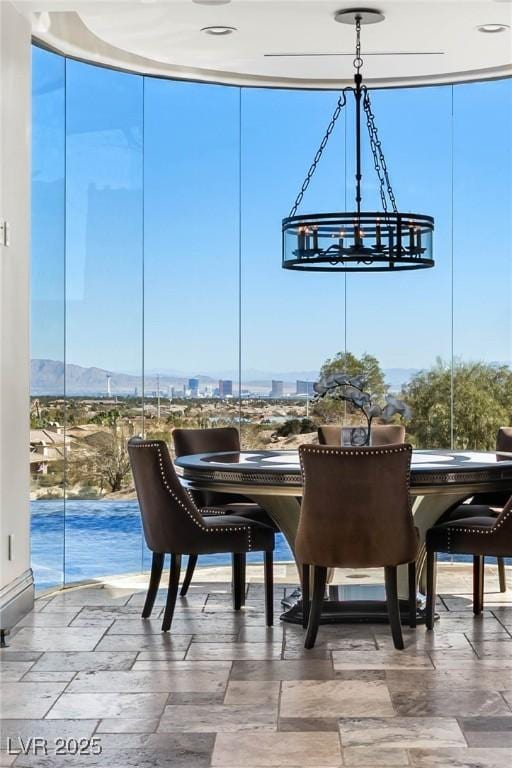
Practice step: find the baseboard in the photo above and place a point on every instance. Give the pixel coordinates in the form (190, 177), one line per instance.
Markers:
(16, 600)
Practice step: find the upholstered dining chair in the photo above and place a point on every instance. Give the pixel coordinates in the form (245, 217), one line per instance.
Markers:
(356, 513)
(380, 434)
(387, 434)
(188, 442)
(494, 501)
(329, 434)
(481, 535)
(173, 524)
(504, 439)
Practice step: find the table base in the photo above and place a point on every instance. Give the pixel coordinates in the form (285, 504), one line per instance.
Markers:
(356, 612)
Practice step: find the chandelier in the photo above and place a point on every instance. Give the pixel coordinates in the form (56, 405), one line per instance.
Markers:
(357, 241)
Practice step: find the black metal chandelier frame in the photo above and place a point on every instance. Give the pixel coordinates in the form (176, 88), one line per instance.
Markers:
(357, 241)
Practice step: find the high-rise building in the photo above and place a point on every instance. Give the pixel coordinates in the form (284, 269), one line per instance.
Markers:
(305, 387)
(193, 385)
(277, 389)
(225, 388)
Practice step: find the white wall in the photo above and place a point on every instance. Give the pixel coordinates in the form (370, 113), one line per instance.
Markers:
(15, 88)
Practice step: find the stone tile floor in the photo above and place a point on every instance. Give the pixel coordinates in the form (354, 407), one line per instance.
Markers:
(83, 671)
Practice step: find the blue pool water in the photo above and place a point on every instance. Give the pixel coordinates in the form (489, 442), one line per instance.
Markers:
(84, 540)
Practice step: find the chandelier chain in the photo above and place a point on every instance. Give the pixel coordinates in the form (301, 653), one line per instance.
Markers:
(378, 156)
(358, 62)
(305, 184)
(376, 163)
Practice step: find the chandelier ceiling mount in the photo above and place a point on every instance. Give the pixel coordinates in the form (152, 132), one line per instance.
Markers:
(365, 16)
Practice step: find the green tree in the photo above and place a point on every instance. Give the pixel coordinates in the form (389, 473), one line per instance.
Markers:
(367, 366)
(107, 418)
(482, 402)
(295, 427)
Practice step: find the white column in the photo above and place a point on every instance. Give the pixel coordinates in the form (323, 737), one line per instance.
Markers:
(16, 585)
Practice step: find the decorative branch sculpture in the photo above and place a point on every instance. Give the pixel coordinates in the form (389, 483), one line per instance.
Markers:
(350, 389)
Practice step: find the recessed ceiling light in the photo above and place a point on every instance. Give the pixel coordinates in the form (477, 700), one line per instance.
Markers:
(218, 30)
(492, 29)
(211, 2)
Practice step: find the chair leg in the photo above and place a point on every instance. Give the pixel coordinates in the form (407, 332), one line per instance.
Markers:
(431, 589)
(319, 581)
(393, 606)
(306, 607)
(243, 580)
(502, 574)
(157, 565)
(478, 584)
(412, 594)
(238, 584)
(172, 592)
(269, 587)
(191, 564)
(334, 592)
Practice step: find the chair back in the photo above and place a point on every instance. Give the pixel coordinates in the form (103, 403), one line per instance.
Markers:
(170, 519)
(356, 507)
(387, 434)
(381, 434)
(188, 442)
(504, 439)
(329, 434)
(503, 526)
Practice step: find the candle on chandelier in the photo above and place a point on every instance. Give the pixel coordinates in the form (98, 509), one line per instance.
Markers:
(418, 238)
(340, 241)
(315, 238)
(391, 240)
(301, 239)
(411, 237)
(378, 243)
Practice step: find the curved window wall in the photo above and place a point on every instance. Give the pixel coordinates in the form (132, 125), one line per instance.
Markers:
(158, 298)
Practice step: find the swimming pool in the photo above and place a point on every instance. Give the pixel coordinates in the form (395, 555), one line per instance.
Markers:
(81, 540)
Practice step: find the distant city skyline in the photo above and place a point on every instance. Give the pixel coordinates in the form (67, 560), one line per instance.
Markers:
(47, 377)
(97, 239)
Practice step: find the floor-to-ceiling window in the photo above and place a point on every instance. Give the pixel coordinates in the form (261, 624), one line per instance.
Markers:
(191, 256)
(47, 412)
(104, 282)
(291, 321)
(158, 298)
(404, 319)
(482, 262)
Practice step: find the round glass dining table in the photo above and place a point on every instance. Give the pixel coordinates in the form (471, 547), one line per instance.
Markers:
(272, 479)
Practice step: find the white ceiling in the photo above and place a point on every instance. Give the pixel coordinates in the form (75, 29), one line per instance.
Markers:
(282, 43)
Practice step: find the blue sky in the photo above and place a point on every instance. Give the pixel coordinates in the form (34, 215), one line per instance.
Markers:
(137, 185)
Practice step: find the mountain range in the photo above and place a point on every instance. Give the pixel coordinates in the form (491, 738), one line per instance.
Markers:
(47, 378)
